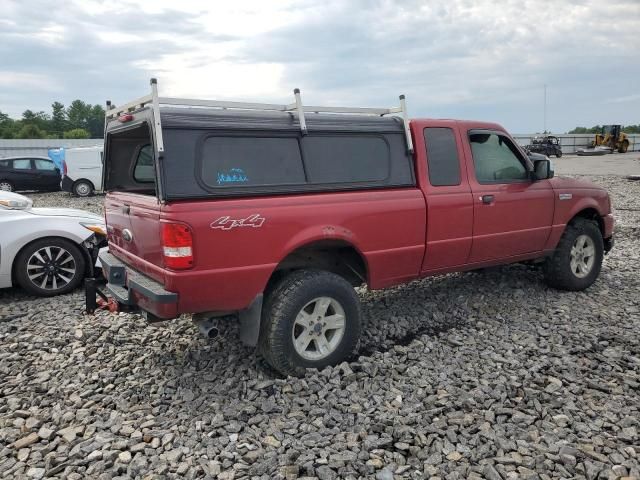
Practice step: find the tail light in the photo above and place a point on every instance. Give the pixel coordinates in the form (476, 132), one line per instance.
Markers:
(64, 168)
(177, 245)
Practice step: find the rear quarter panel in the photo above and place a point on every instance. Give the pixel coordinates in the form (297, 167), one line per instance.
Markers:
(233, 261)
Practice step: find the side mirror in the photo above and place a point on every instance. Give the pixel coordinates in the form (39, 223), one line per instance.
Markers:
(542, 169)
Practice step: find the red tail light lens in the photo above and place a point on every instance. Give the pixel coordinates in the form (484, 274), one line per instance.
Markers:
(64, 167)
(177, 246)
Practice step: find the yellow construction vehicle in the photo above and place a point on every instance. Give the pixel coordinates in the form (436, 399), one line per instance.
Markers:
(613, 137)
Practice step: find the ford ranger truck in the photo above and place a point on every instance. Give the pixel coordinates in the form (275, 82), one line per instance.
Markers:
(275, 213)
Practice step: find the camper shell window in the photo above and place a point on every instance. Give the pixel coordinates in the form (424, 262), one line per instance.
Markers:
(129, 165)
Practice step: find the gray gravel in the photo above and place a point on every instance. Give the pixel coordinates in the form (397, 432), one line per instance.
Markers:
(480, 375)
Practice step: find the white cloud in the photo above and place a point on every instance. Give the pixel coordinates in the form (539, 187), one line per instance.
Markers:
(454, 58)
(26, 81)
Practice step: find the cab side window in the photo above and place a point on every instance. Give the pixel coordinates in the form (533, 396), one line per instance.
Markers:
(496, 159)
(442, 156)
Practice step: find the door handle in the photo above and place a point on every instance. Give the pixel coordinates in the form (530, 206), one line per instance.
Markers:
(487, 199)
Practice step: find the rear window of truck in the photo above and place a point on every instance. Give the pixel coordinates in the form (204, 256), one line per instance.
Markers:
(129, 160)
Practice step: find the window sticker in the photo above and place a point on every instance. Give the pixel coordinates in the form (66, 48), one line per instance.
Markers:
(234, 175)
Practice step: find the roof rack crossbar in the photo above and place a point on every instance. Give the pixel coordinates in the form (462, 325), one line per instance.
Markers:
(128, 107)
(296, 106)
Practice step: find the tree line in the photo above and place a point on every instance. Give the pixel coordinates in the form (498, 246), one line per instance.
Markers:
(598, 129)
(78, 120)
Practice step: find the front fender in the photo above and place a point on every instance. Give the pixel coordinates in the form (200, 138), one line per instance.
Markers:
(568, 208)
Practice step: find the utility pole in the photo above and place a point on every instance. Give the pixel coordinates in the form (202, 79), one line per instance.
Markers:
(545, 108)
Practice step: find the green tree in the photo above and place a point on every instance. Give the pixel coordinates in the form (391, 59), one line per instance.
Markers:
(577, 130)
(77, 133)
(39, 119)
(96, 121)
(7, 126)
(31, 130)
(78, 114)
(632, 129)
(58, 122)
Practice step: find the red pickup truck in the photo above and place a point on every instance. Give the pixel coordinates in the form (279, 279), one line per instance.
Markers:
(274, 213)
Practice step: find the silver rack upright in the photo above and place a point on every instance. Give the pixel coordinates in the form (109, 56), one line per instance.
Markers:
(155, 101)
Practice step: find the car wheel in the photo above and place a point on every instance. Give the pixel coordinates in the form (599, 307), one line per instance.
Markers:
(577, 260)
(6, 186)
(558, 153)
(50, 266)
(83, 188)
(311, 320)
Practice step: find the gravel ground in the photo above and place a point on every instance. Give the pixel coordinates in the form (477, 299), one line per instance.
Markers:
(480, 375)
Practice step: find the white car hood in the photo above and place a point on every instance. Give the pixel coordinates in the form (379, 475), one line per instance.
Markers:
(66, 212)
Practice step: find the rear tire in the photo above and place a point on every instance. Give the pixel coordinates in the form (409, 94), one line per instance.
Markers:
(83, 188)
(559, 154)
(6, 186)
(311, 319)
(577, 260)
(50, 266)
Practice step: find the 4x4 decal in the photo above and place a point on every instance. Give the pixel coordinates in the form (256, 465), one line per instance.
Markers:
(227, 223)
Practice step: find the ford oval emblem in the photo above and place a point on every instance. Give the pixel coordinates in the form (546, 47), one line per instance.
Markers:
(127, 235)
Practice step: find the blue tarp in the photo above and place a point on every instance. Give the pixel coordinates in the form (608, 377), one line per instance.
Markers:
(57, 155)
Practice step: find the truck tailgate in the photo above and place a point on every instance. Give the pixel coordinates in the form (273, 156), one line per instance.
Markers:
(133, 225)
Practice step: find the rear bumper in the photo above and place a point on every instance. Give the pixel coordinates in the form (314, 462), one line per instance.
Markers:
(66, 184)
(131, 290)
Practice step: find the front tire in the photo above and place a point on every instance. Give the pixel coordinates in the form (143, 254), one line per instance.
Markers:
(83, 188)
(577, 260)
(311, 319)
(559, 154)
(624, 146)
(50, 266)
(6, 186)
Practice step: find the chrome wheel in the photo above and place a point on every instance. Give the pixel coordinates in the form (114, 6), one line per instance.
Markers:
(583, 253)
(6, 187)
(51, 268)
(318, 328)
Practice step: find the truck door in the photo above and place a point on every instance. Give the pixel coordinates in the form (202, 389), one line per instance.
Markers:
(448, 197)
(512, 213)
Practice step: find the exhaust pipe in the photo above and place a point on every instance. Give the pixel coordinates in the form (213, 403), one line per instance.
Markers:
(208, 326)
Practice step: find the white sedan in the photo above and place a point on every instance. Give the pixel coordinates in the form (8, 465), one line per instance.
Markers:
(46, 251)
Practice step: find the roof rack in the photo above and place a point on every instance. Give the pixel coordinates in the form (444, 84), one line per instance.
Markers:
(155, 101)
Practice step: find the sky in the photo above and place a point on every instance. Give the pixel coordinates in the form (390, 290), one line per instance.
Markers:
(482, 60)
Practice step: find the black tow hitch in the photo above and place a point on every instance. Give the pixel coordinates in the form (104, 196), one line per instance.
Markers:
(96, 298)
(92, 292)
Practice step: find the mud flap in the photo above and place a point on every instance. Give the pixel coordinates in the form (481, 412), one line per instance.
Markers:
(250, 322)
